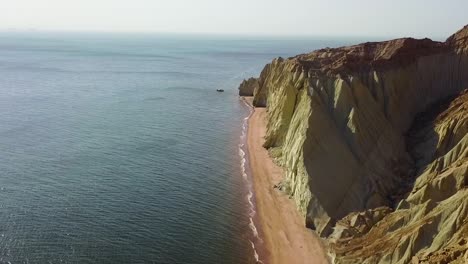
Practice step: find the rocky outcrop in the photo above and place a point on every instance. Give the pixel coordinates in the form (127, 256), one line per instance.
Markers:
(358, 166)
(248, 87)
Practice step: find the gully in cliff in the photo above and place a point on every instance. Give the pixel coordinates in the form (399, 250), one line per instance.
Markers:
(362, 170)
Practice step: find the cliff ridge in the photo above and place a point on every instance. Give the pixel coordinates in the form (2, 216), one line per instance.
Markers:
(345, 123)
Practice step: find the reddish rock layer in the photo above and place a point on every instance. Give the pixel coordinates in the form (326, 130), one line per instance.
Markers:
(376, 55)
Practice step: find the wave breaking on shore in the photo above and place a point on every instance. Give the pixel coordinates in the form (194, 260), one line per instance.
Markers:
(256, 239)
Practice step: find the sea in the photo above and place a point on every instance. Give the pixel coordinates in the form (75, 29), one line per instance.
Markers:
(117, 148)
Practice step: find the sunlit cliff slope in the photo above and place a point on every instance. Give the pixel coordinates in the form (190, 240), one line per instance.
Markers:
(373, 140)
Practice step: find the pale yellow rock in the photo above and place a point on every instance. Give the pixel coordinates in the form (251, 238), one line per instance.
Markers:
(338, 121)
(248, 87)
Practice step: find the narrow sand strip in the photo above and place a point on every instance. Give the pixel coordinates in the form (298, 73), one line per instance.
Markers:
(285, 236)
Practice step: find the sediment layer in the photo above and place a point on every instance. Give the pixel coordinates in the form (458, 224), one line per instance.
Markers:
(345, 124)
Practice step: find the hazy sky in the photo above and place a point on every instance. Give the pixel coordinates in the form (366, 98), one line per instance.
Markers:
(432, 18)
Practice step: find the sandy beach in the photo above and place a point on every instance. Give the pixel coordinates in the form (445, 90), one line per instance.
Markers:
(285, 237)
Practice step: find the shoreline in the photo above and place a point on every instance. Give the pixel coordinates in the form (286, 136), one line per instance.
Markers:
(283, 235)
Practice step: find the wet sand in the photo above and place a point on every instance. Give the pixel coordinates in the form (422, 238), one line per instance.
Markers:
(284, 235)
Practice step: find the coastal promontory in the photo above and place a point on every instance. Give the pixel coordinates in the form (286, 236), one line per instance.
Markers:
(373, 141)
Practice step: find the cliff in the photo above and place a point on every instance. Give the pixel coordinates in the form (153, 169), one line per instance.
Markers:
(369, 163)
(248, 87)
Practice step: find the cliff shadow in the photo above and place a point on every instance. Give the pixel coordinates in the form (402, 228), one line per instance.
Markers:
(422, 142)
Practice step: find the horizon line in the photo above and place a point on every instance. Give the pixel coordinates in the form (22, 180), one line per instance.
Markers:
(216, 34)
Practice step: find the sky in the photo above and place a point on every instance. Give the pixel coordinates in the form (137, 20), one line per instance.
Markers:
(395, 18)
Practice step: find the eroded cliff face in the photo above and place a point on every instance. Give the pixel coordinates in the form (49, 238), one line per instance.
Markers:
(248, 87)
(430, 222)
(342, 124)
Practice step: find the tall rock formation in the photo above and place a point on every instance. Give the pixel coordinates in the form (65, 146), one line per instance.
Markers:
(345, 125)
(248, 87)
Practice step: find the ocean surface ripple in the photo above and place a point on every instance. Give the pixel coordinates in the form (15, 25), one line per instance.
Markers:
(117, 149)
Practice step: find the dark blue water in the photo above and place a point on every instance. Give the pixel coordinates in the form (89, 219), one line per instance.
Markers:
(117, 149)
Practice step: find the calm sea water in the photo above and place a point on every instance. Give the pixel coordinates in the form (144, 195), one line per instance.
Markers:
(117, 149)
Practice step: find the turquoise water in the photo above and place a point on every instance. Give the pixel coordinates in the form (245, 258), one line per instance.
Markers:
(117, 149)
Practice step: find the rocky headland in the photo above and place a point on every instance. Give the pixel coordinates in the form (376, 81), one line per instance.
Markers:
(373, 142)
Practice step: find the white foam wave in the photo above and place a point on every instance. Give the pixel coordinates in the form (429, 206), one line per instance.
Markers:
(252, 212)
(255, 253)
(241, 153)
(253, 227)
(249, 199)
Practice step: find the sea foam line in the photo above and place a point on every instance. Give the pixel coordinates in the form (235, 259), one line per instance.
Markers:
(250, 195)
